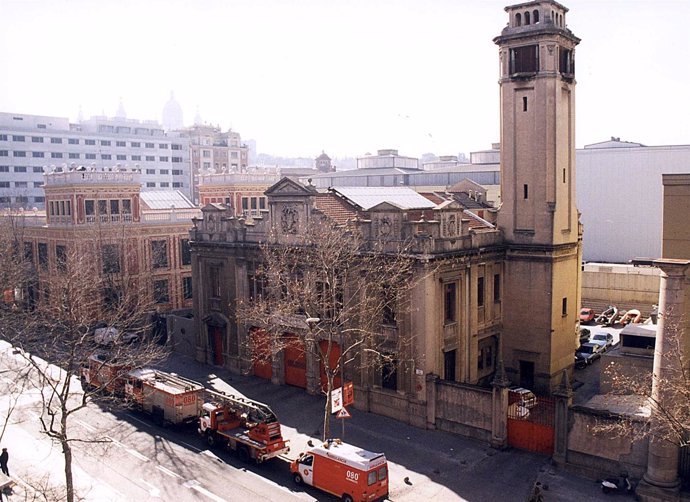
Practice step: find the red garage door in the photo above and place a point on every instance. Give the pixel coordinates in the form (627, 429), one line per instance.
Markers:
(261, 353)
(332, 362)
(295, 362)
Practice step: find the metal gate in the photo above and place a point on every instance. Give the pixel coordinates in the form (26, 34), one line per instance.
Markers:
(531, 423)
(295, 361)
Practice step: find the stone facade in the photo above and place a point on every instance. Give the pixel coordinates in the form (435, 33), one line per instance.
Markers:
(454, 326)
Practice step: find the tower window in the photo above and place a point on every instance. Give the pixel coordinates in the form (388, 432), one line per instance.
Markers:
(449, 302)
(524, 59)
(526, 18)
(524, 103)
(525, 191)
(480, 292)
(535, 17)
(564, 310)
(518, 19)
(566, 62)
(449, 365)
(564, 175)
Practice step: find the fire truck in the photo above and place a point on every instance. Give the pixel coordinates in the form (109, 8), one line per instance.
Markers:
(343, 470)
(249, 428)
(103, 372)
(170, 399)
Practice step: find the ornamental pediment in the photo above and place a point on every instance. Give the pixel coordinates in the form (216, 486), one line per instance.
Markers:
(289, 187)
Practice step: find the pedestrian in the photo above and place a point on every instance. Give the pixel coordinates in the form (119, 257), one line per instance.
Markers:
(4, 456)
(536, 495)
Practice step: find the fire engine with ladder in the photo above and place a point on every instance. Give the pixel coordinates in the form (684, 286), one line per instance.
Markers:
(249, 428)
(169, 398)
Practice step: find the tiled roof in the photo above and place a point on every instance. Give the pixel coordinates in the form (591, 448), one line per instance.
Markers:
(334, 207)
(435, 198)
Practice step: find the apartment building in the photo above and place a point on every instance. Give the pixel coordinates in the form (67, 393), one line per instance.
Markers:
(33, 144)
(213, 151)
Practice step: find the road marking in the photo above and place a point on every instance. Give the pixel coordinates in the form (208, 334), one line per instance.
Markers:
(86, 426)
(194, 485)
(168, 472)
(191, 446)
(114, 441)
(139, 420)
(153, 490)
(138, 455)
(267, 481)
(134, 453)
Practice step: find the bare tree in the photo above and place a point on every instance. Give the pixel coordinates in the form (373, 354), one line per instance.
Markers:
(668, 416)
(52, 324)
(335, 293)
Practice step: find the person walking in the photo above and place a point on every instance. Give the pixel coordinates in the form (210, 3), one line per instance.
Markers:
(4, 456)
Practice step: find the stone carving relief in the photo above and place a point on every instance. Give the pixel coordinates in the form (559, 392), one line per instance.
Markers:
(289, 219)
(451, 226)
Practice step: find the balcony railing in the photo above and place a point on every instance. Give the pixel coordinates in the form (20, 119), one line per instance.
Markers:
(91, 177)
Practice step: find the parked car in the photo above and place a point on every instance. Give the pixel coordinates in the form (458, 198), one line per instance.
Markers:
(584, 335)
(110, 336)
(603, 336)
(587, 354)
(586, 315)
(526, 397)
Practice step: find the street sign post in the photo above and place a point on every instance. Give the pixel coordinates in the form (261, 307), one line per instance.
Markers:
(343, 413)
(336, 400)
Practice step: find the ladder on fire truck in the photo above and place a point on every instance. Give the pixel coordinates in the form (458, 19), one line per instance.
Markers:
(254, 411)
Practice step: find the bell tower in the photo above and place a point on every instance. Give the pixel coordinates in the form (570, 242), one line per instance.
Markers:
(538, 215)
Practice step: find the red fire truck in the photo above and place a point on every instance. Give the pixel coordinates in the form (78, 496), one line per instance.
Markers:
(344, 470)
(247, 427)
(104, 372)
(168, 398)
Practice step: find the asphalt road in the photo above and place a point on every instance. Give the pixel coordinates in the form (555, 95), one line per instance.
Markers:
(136, 460)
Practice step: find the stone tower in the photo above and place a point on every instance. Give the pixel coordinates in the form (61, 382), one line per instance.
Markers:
(538, 215)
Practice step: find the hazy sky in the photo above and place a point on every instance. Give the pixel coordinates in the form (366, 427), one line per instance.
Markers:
(344, 76)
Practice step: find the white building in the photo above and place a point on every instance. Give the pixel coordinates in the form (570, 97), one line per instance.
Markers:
(620, 196)
(28, 143)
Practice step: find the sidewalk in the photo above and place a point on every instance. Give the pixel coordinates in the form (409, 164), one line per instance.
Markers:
(424, 464)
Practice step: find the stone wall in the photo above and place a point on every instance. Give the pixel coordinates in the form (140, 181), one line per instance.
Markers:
(622, 285)
(182, 332)
(393, 405)
(599, 454)
(463, 409)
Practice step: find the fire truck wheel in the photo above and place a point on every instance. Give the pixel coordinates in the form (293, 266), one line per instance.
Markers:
(210, 439)
(243, 453)
(347, 498)
(297, 478)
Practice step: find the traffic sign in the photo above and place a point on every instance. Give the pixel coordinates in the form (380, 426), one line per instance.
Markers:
(343, 413)
(348, 394)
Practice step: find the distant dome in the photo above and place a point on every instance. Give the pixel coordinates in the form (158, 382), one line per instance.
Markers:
(172, 115)
(121, 113)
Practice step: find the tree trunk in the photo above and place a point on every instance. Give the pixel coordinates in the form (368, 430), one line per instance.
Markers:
(327, 411)
(69, 482)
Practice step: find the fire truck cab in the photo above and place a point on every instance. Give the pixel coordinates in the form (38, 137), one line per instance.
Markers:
(343, 470)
